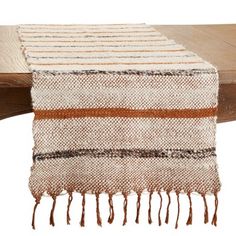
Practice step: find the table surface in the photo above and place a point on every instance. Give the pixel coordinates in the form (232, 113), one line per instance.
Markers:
(214, 43)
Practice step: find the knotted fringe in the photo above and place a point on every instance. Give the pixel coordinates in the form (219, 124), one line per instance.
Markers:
(37, 202)
(99, 219)
(138, 207)
(206, 209)
(168, 207)
(214, 218)
(111, 210)
(159, 212)
(125, 205)
(83, 210)
(177, 219)
(70, 198)
(190, 217)
(51, 219)
(150, 208)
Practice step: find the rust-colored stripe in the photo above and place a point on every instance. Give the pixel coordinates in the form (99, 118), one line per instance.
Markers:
(124, 112)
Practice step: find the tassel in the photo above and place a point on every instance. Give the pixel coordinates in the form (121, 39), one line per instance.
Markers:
(138, 207)
(177, 219)
(70, 198)
(214, 219)
(125, 208)
(149, 210)
(37, 202)
(112, 214)
(159, 212)
(51, 220)
(99, 220)
(190, 217)
(168, 207)
(206, 209)
(83, 210)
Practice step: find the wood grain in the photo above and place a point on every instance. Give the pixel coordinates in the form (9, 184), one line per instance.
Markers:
(214, 43)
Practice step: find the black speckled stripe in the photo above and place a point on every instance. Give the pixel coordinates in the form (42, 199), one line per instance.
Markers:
(173, 72)
(124, 153)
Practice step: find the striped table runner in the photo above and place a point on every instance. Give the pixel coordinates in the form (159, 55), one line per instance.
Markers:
(120, 109)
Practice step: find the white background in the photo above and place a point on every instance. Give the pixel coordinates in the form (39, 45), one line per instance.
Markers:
(16, 141)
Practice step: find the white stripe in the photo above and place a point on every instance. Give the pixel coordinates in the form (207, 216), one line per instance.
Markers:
(147, 133)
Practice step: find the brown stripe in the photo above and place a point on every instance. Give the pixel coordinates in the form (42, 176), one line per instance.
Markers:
(124, 112)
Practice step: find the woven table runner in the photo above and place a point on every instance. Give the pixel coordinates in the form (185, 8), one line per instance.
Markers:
(120, 109)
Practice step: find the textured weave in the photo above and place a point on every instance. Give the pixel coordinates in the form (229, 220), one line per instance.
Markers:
(120, 109)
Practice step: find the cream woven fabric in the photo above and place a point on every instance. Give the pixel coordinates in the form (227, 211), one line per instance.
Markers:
(120, 109)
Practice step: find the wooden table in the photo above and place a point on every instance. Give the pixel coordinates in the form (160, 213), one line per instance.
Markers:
(214, 43)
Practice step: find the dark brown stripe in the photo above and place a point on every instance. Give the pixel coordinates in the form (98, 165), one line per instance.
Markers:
(125, 153)
(124, 112)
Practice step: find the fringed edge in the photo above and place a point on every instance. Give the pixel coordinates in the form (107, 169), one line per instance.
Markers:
(125, 205)
(111, 209)
(125, 208)
(83, 210)
(70, 198)
(190, 216)
(37, 202)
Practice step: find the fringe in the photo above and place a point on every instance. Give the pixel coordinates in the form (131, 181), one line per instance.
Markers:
(168, 207)
(112, 214)
(206, 208)
(83, 210)
(125, 208)
(99, 219)
(70, 198)
(51, 219)
(190, 217)
(125, 205)
(214, 218)
(37, 202)
(150, 208)
(177, 219)
(159, 212)
(138, 207)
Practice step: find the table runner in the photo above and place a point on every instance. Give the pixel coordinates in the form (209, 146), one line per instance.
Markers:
(120, 109)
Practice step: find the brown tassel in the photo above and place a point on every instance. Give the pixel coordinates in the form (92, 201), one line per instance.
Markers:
(206, 209)
(125, 208)
(149, 210)
(112, 214)
(138, 207)
(214, 219)
(70, 198)
(177, 219)
(99, 220)
(159, 212)
(83, 210)
(168, 207)
(37, 202)
(51, 221)
(190, 217)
